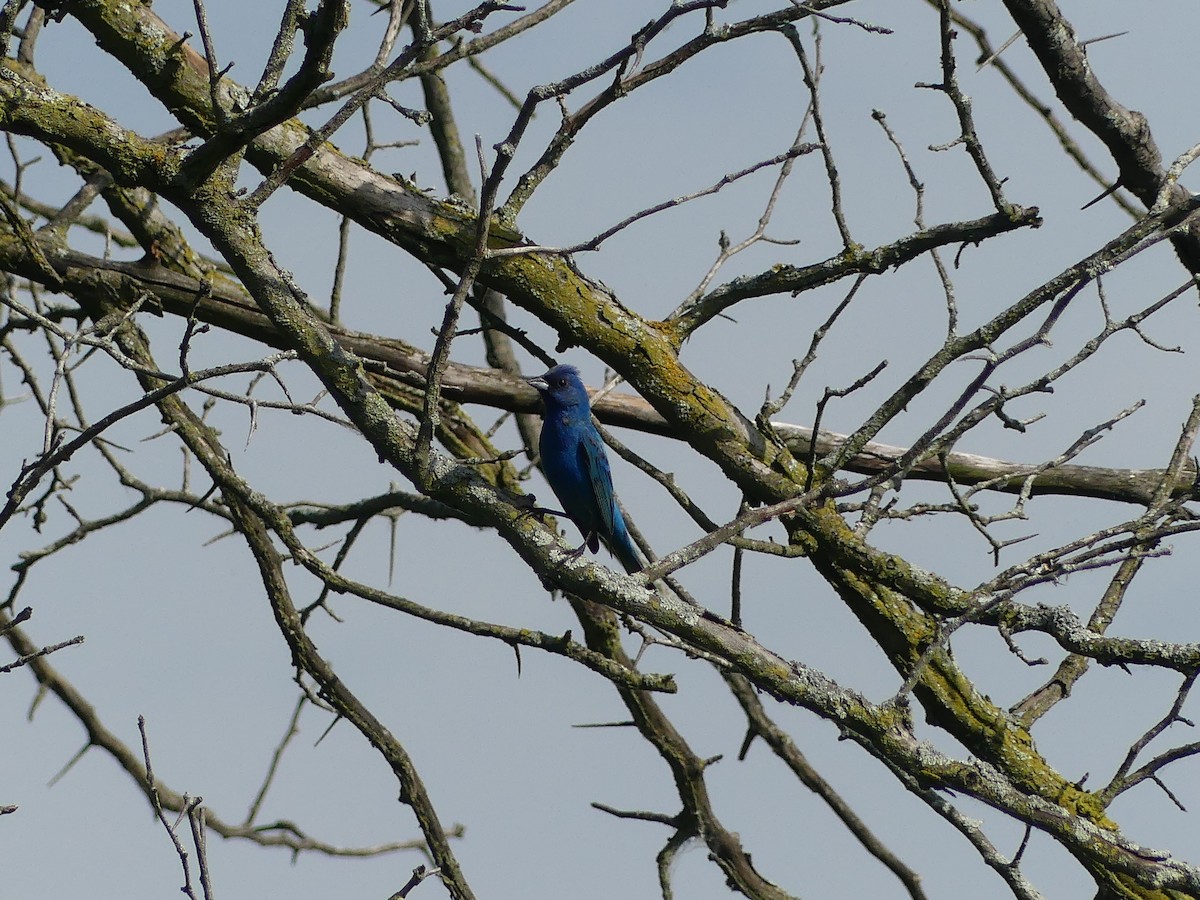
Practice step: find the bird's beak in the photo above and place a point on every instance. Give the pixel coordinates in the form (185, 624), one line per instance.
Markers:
(538, 382)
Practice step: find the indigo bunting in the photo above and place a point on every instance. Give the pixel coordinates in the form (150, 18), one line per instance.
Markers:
(576, 465)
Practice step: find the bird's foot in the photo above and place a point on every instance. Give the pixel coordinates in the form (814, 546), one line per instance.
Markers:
(527, 503)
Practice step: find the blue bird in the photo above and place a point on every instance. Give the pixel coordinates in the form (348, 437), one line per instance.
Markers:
(576, 465)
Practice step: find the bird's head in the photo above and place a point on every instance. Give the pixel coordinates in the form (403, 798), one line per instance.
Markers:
(561, 387)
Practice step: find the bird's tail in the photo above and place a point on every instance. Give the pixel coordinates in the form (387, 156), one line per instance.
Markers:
(621, 546)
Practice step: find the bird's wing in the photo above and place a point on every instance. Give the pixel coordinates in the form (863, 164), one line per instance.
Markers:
(595, 462)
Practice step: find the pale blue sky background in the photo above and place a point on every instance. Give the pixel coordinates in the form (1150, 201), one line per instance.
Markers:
(179, 632)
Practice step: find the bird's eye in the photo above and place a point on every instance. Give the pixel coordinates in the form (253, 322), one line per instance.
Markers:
(562, 382)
